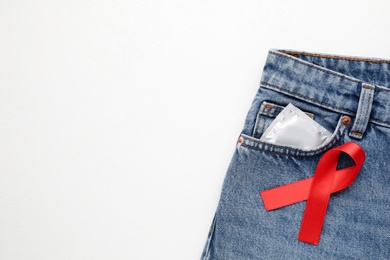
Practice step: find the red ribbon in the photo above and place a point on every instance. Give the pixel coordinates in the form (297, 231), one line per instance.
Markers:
(316, 190)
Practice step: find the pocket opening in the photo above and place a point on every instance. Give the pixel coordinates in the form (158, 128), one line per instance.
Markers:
(266, 114)
(254, 143)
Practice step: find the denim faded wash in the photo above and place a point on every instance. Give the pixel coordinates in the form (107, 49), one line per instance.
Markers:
(350, 97)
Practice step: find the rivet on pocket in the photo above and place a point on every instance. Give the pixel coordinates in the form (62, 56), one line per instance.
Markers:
(346, 120)
(239, 142)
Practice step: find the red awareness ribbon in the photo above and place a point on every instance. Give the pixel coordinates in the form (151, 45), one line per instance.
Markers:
(316, 190)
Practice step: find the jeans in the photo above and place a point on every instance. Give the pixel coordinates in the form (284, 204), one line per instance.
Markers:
(329, 88)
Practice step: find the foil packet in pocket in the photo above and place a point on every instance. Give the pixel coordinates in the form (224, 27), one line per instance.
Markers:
(292, 127)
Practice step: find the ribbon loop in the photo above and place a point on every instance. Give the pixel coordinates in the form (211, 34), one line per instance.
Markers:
(316, 190)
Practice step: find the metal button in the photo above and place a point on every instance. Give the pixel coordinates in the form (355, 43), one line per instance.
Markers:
(346, 120)
(239, 142)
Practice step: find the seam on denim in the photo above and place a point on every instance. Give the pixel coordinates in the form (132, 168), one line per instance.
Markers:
(326, 70)
(263, 122)
(268, 113)
(380, 121)
(382, 88)
(387, 123)
(267, 151)
(298, 153)
(317, 67)
(340, 57)
(258, 141)
(274, 152)
(257, 121)
(260, 121)
(261, 125)
(307, 98)
(206, 253)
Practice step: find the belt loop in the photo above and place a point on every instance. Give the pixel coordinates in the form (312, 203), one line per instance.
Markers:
(363, 111)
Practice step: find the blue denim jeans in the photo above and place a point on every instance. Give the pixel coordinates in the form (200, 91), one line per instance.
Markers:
(331, 88)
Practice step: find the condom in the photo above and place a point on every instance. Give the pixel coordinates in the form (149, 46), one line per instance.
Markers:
(292, 127)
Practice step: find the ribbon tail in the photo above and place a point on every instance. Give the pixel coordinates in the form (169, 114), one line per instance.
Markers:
(286, 195)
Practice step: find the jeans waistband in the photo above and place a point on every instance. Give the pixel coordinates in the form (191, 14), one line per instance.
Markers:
(355, 86)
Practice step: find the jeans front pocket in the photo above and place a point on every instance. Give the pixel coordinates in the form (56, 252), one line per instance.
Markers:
(254, 143)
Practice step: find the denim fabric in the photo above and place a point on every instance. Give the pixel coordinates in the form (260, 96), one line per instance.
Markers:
(357, 222)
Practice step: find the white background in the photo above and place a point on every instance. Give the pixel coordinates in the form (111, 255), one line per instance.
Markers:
(118, 118)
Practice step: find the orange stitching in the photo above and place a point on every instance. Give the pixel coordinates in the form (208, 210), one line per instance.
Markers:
(368, 87)
(356, 133)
